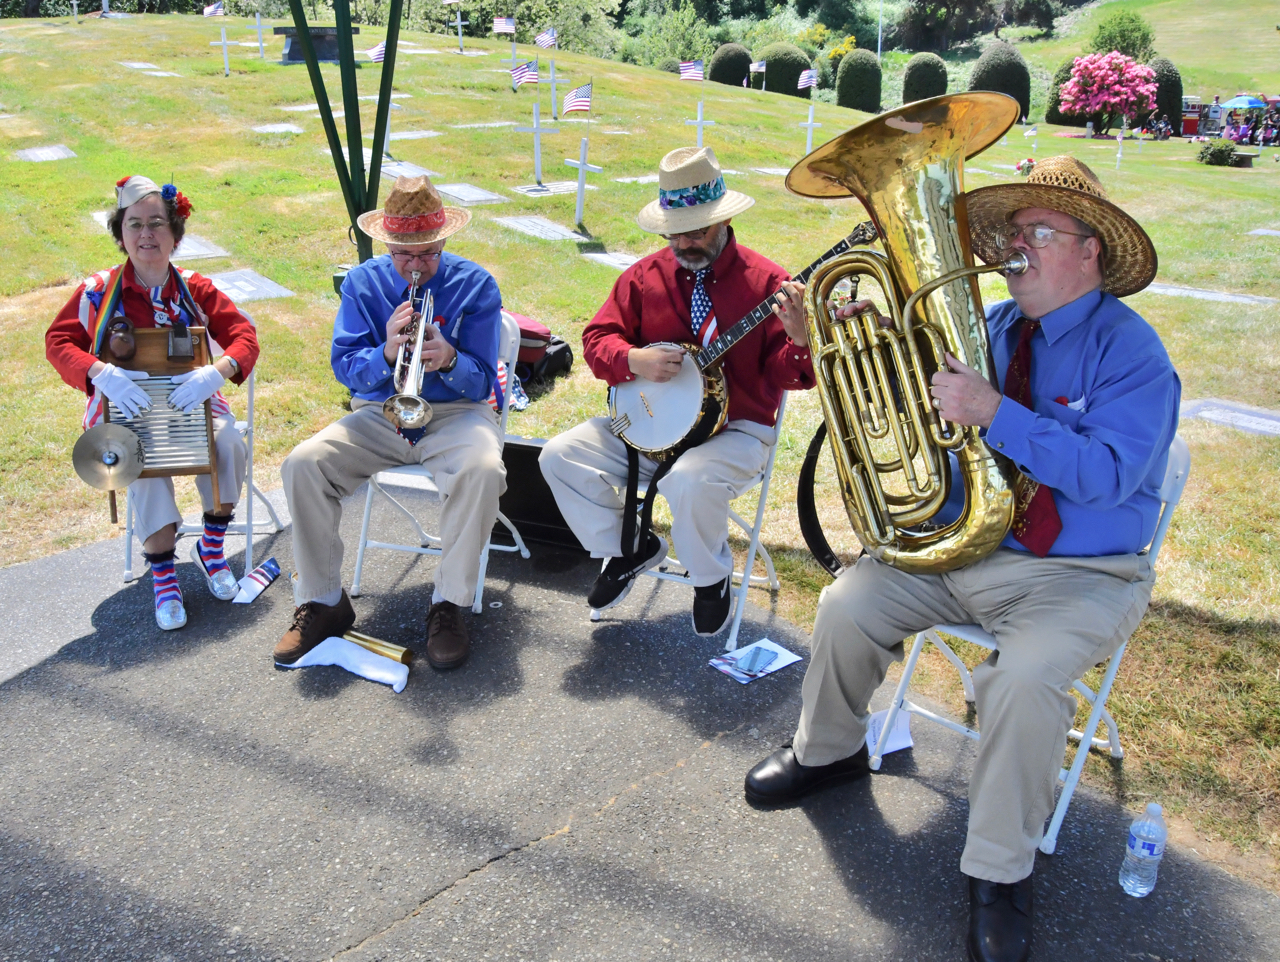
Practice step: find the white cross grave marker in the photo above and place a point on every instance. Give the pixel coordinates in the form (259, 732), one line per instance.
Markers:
(106, 7)
(75, 11)
(459, 23)
(808, 132)
(583, 167)
(259, 29)
(700, 123)
(555, 108)
(513, 61)
(537, 130)
(226, 61)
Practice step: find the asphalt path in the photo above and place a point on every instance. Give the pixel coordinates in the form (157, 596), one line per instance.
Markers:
(573, 792)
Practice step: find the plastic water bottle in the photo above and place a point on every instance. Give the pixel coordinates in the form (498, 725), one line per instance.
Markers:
(1147, 836)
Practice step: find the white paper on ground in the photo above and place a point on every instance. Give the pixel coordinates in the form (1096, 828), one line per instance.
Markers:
(899, 738)
(357, 660)
(728, 661)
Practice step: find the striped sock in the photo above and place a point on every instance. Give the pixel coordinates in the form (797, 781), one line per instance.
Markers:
(164, 577)
(215, 529)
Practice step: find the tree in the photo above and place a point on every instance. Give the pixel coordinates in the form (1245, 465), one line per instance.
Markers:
(784, 61)
(1106, 87)
(858, 82)
(937, 24)
(1002, 69)
(1126, 33)
(729, 64)
(1053, 114)
(1168, 91)
(925, 77)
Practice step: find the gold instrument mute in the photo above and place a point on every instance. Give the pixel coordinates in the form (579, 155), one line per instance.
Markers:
(380, 647)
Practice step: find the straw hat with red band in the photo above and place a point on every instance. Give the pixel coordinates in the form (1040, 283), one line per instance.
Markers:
(413, 214)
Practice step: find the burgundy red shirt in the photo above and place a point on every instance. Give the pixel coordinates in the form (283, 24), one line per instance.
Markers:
(650, 303)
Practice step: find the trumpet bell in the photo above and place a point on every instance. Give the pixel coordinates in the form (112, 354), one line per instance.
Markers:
(407, 411)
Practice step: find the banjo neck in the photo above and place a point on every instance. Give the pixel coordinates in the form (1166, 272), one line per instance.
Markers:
(711, 354)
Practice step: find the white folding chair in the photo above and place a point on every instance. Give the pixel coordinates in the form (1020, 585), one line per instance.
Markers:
(1175, 478)
(270, 526)
(672, 570)
(419, 478)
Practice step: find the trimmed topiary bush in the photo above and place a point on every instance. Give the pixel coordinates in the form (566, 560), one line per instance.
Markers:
(1216, 153)
(784, 63)
(858, 82)
(925, 77)
(1052, 115)
(1168, 91)
(669, 64)
(729, 64)
(1002, 69)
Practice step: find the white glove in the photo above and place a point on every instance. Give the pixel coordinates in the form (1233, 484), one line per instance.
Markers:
(117, 384)
(197, 387)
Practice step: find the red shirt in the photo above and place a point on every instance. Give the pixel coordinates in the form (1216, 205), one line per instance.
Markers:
(67, 344)
(650, 303)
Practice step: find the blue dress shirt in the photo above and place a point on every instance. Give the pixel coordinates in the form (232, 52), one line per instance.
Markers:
(468, 311)
(1105, 398)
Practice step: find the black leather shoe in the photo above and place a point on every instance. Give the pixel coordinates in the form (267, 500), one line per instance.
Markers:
(780, 779)
(1000, 917)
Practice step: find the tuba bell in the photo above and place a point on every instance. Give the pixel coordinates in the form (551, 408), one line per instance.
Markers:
(891, 447)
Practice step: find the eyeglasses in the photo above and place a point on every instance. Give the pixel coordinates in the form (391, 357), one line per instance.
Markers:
(689, 235)
(1036, 235)
(155, 225)
(404, 257)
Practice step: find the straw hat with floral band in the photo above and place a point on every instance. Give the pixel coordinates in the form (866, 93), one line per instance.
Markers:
(691, 194)
(413, 214)
(1067, 185)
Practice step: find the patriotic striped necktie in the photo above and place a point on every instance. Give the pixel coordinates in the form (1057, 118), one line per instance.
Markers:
(700, 309)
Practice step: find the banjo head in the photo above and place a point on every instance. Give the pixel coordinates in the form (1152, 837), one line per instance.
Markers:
(660, 415)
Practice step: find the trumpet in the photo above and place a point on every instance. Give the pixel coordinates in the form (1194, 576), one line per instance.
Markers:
(406, 409)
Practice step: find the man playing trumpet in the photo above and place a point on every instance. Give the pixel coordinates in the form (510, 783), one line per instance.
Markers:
(459, 444)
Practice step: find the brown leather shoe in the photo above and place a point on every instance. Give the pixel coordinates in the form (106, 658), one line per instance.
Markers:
(312, 624)
(447, 641)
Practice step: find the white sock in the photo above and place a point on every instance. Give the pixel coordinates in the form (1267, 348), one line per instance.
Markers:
(330, 599)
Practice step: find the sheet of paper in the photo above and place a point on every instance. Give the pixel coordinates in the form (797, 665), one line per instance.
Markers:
(728, 662)
(899, 738)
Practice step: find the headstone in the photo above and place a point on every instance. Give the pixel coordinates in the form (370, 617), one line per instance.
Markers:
(773, 171)
(809, 128)
(402, 168)
(537, 130)
(37, 155)
(468, 195)
(408, 135)
(540, 228)
(583, 167)
(700, 123)
(246, 285)
(549, 189)
(194, 248)
(279, 129)
(499, 123)
(324, 39)
(646, 179)
(617, 260)
(259, 28)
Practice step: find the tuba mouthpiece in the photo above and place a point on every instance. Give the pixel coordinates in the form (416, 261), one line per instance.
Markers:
(1016, 263)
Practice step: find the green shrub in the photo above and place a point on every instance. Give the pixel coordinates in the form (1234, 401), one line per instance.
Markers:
(669, 64)
(1216, 153)
(1002, 69)
(729, 64)
(1126, 32)
(925, 77)
(858, 82)
(1052, 115)
(1168, 91)
(784, 61)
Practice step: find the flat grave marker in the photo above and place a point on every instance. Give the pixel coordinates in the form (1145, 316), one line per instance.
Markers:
(100, 216)
(247, 285)
(161, 73)
(546, 190)
(499, 123)
(37, 155)
(409, 135)
(279, 129)
(368, 155)
(1264, 232)
(402, 168)
(420, 50)
(194, 248)
(468, 195)
(393, 96)
(298, 108)
(616, 259)
(137, 65)
(1250, 420)
(323, 39)
(646, 179)
(616, 133)
(1203, 295)
(540, 228)
(772, 171)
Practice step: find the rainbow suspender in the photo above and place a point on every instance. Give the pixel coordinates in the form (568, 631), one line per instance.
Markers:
(111, 301)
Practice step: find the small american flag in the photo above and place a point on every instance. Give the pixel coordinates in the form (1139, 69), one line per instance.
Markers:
(215, 10)
(579, 98)
(504, 25)
(525, 73)
(691, 70)
(808, 78)
(547, 38)
(378, 52)
(758, 66)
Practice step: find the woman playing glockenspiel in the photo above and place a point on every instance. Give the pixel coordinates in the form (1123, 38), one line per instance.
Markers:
(149, 291)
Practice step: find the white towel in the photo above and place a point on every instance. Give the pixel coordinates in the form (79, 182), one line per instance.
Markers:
(357, 660)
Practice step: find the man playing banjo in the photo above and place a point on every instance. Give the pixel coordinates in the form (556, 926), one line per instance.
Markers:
(697, 286)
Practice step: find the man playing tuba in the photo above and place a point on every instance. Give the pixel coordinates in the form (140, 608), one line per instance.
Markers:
(1088, 411)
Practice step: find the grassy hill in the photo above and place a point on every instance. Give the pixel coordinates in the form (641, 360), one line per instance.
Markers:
(1204, 739)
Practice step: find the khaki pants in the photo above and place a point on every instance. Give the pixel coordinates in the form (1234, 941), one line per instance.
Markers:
(585, 467)
(1054, 618)
(153, 504)
(463, 451)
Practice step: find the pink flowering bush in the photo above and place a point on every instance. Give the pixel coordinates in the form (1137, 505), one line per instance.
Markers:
(1106, 87)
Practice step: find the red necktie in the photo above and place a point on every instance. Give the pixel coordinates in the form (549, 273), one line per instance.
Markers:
(1036, 524)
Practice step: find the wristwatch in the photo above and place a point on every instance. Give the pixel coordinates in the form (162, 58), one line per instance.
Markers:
(235, 365)
(452, 363)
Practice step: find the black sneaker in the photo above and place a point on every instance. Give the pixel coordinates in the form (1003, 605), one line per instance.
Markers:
(618, 574)
(712, 608)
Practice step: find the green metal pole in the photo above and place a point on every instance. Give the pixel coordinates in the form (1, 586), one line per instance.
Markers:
(351, 104)
(384, 101)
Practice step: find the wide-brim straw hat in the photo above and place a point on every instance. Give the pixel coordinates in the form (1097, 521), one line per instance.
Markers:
(691, 194)
(413, 214)
(1065, 184)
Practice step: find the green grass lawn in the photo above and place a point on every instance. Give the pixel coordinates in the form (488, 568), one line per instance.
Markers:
(1202, 744)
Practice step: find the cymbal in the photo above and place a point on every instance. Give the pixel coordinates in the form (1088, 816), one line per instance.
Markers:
(109, 457)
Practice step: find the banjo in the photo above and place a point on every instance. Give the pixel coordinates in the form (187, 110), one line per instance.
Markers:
(657, 419)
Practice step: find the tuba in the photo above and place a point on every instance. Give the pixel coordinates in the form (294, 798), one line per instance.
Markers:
(891, 447)
(406, 409)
